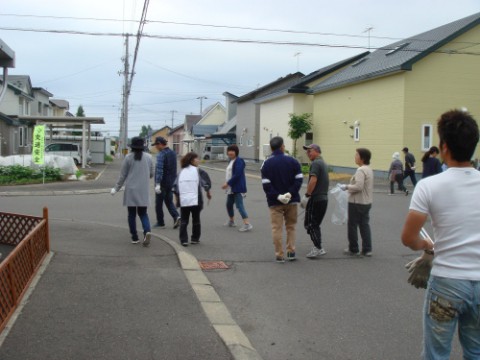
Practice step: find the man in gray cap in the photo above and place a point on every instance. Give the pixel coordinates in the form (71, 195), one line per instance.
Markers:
(165, 175)
(317, 195)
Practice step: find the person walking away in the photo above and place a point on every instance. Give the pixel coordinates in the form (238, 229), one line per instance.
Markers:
(450, 199)
(395, 174)
(188, 188)
(409, 166)
(360, 196)
(136, 172)
(165, 175)
(281, 179)
(236, 186)
(431, 165)
(317, 194)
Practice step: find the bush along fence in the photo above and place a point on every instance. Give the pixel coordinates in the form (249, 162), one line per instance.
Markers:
(30, 237)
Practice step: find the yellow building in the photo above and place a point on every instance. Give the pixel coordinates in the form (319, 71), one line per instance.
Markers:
(163, 132)
(393, 97)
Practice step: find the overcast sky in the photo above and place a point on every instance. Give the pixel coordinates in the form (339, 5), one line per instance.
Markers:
(171, 74)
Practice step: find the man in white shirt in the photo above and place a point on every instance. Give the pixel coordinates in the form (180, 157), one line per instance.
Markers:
(451, 201)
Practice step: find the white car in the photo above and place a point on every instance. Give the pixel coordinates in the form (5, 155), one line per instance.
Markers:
(67, 149)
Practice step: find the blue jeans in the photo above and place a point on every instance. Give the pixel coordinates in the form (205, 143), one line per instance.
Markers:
(449, 302)
(236, 199)
(132, 220)
(165, 196)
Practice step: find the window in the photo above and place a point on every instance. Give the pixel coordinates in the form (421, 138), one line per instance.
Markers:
(250, 141)
(240, 142)
(356, 133)
(308, 138)
(39, 107)
(22, 136)
(358, 62)
(396, 48)
(426, 137)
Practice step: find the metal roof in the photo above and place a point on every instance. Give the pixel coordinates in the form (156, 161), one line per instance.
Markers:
(399, 56)
(7, 55)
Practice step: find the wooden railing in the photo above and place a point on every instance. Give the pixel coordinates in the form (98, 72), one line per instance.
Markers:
(30, 237)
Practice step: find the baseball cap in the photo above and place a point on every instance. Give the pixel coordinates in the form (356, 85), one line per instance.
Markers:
(312, 146)
(160, 140)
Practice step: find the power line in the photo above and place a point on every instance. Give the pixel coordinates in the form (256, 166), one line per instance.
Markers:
(237, 41)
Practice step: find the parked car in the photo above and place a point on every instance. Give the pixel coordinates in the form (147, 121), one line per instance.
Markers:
(67, 149)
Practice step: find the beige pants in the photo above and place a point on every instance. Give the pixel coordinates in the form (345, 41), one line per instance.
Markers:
(279, 214)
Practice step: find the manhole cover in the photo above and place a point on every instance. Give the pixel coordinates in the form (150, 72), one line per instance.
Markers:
(212, 265)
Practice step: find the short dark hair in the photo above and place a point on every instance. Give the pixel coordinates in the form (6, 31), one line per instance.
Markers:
(233, 148)
(459, 130)
(276, 143)
(365, 155)
(187, 159)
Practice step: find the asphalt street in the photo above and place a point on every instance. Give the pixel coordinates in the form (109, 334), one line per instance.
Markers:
(335, 307)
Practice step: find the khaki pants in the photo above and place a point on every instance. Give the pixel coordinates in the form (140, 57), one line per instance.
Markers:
(279, 214)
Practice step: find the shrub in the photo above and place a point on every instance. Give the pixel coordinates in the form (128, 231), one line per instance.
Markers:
(17, 174)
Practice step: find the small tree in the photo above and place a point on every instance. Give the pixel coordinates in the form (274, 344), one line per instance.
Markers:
(299, 125)
(80, 112)
(145, 131)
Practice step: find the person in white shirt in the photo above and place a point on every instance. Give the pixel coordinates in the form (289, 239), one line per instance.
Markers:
(187, 188)
(451, 200)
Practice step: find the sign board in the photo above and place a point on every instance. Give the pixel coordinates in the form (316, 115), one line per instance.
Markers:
(38, 146)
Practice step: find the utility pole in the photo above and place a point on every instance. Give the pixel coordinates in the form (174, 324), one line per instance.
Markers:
(123, 136)
(173, 115)
(201, 102)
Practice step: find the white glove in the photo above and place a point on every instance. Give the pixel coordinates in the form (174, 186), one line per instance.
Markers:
(343, 186)
(158, 190)
(303, 202)
(288, 195)
(419, 270)
(113, 191)
(283, 198)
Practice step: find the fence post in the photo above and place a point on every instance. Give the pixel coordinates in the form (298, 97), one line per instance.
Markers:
(47, 231)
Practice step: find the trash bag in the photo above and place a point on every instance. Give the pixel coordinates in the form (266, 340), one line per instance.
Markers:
(340, 212)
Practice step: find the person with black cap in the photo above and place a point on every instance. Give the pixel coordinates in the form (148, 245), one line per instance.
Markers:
(409, 166)
(165, 175)
(136, 172)
(317, 196)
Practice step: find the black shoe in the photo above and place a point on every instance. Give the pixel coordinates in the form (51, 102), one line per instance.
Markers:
(184, 244)
(406, 192)
(194, 242)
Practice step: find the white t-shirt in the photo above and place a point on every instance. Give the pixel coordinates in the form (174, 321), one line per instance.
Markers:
(188, 181)
(228, 175)
(452, 200)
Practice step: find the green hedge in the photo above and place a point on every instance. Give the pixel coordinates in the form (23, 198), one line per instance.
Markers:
(17, 174)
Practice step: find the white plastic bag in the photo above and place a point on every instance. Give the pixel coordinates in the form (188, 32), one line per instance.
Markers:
(340, 212)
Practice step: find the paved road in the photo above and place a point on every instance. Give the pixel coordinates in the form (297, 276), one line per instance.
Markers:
(335, 307)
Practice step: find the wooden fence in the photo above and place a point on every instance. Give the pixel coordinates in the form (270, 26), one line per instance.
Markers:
(30, 237)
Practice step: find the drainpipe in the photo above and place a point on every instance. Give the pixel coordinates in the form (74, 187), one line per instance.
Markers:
(3, 91)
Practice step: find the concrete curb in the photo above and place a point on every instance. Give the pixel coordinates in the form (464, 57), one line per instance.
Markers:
(216, 311)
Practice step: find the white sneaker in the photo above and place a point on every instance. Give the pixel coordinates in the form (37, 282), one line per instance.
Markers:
(314, 252)
(230, 223)
(146, 239)
(246, 227)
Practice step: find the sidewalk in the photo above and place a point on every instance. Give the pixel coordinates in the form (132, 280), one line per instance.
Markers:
(102, 297)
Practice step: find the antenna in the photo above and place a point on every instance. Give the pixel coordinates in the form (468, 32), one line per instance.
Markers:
(368, 30)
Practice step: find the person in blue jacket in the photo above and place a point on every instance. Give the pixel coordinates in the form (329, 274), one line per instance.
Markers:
(165, 175)
(282, 179)
(236, 188)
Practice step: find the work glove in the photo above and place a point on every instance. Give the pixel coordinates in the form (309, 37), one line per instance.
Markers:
(342, 187)
(283, 198)
(303, 202)
(113, 191)
(158, 190)
(419, 270)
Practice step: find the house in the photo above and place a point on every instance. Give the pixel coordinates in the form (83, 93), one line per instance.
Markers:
(392, 97)
(188, 137)
(226, 133)
(175, 138)
(248, 115)
(276, 107)
(60, 107)
(163, 132)
(16, 135)
(42, 104)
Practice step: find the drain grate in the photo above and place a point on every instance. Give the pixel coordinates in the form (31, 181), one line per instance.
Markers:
(212, 265)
